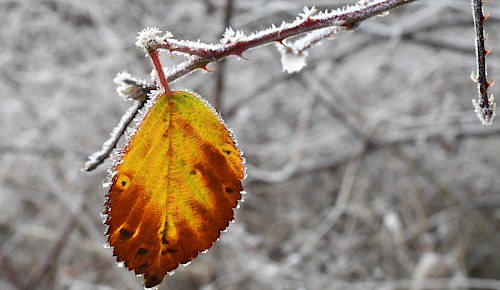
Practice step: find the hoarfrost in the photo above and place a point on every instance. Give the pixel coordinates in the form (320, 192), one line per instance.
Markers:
(104, 216)
(231, 36)
(149, 38)
(308, 12)
(293, 55)
(485, 114)
(292, 61)
(129, 87)
(108, 145)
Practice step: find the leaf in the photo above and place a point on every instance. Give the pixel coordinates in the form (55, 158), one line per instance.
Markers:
(175, 186)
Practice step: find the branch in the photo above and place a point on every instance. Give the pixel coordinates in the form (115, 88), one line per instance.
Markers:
(220, 70)
(98, 157)
(236, 43)
(484, 106)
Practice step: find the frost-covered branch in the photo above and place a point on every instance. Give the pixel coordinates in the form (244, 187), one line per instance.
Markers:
(319, 25)
(485, 105)
(236, 43)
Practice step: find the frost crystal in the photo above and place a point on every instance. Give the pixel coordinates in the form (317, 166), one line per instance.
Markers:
(486, 114)
(293, 55)
(231, 36)
(149, 38)
(129, 87)
(308, 12)
(291, 60)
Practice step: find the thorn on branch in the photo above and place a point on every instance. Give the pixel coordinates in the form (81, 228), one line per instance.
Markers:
(205, 68)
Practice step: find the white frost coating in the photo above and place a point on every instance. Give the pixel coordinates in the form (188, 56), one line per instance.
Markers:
(120, 264)
(192, 46)
(362, 4)
(149, 38)
(303, 17)
(308, 12)
(93, 159)
(104, 217)
(129, 87)
(312, 38)
(294, 54)
(292, 61)
(485, 115)
(231, 36)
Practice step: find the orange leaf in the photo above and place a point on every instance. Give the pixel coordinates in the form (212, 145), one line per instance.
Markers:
(175, 186)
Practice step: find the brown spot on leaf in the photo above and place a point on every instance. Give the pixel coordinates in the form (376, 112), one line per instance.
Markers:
(142, 251)
(126, 234)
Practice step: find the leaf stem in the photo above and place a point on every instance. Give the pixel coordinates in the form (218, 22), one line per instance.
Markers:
(153, 53)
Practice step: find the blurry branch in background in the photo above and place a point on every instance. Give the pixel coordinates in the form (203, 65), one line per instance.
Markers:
(485, 105)
(199, 55)
(220, 70)
(40, 270)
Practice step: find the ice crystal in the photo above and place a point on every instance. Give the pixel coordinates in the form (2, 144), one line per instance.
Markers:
(231, 36)
(129, 87)
(149, 38)
(293, 55)
(486, 114)
(291, 60)
(308, 12)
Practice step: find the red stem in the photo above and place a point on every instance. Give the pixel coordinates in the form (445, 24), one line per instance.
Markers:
(153, 53)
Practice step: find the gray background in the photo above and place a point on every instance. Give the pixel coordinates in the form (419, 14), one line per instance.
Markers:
(367, 170)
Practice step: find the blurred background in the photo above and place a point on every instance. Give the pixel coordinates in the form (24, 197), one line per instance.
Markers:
(366, 170)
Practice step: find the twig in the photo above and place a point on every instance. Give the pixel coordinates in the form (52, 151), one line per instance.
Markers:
(220, 71)
(98, 157)
(462, 132)
(337, 210)
(484, 106)
(295, 151)
(10, 274)
(235, 43)
(41, 269)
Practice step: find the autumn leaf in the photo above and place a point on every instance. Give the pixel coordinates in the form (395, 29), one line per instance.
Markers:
(174, 187)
